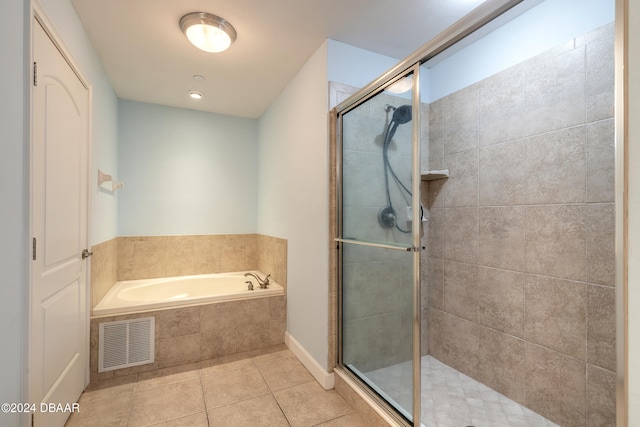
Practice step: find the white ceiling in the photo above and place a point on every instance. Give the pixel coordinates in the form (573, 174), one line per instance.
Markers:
(147, 58)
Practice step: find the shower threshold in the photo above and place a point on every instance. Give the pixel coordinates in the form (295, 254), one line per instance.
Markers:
(452, 399)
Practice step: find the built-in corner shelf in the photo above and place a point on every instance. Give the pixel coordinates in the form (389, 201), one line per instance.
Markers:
(435, 174)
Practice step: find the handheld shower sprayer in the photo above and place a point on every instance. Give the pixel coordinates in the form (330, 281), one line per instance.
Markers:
(401, 115)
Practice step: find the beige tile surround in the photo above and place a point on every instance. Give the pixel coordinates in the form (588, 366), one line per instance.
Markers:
(191, 334)
(145, 257)
(520, 255)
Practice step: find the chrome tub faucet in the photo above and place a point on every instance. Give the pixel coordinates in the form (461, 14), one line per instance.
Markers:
(264, 283)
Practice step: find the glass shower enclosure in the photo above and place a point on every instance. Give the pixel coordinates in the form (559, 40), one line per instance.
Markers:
(517, 249)
(378, 242)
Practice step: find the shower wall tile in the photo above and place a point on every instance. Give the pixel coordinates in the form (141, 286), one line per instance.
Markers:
(554, 92)
(378, 341)
(436, 130)
(375, 288)
(600, 75)
(436, 283)
(556, 241)
(461, 120)
(436, 188)
(601, 331)
(501, 300)
(436, 333)
(461, 235)
(424, 136)
(458, 342)
(361, 169)
(556, 167)
(600, 161)
(356, 127)
(556, 314)
(424, 286)
(501, 363)
(601, 244)
(501, 241)
(502, 174)
(462, 184)
(436, 232)
(539, 234)
(601, 397)
(424, 325)
(501, 108)
(556, 386)
(362, 223)
(461, 290)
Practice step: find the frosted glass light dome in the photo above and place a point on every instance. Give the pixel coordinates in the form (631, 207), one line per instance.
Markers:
(208, 32)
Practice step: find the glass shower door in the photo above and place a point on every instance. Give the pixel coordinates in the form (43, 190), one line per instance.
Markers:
(376, 238)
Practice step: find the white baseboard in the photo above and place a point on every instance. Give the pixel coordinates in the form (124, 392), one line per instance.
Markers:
(324, 378)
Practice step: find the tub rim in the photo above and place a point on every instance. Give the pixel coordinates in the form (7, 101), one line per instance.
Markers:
(276, 290)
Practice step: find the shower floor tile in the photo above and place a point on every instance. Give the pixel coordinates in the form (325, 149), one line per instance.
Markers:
(452, 399)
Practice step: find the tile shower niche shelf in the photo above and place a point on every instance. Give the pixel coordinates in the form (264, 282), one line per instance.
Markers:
(435, 174)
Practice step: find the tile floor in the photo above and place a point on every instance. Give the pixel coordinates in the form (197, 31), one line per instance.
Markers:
(452, 399)
(270, 390)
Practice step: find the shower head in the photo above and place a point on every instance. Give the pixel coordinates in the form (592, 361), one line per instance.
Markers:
(402, 114)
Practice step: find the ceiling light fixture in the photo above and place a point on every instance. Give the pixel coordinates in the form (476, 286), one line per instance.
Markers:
(401, 86)
(208, 32)
(195, 94)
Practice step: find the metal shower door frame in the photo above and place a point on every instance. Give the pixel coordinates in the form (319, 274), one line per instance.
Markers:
(414, 248)
(478, 18)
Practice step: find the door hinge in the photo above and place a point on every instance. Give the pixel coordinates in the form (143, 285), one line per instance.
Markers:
(35, 73)
(33, 244)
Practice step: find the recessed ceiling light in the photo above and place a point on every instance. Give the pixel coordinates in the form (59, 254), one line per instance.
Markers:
(194, 94)
(198, 77)
(208, 32)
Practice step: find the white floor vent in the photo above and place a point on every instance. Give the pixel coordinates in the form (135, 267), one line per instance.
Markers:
(126, 343)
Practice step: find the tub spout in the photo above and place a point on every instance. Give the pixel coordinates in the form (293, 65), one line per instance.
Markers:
(264, 283)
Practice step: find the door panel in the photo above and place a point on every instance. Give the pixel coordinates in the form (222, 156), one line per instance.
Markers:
(62, 168)
(378, 255)
(58, 333)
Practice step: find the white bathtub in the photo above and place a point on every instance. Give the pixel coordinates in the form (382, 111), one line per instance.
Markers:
(148, 294)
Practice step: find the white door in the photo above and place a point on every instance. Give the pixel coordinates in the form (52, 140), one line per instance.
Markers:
(58, 331)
